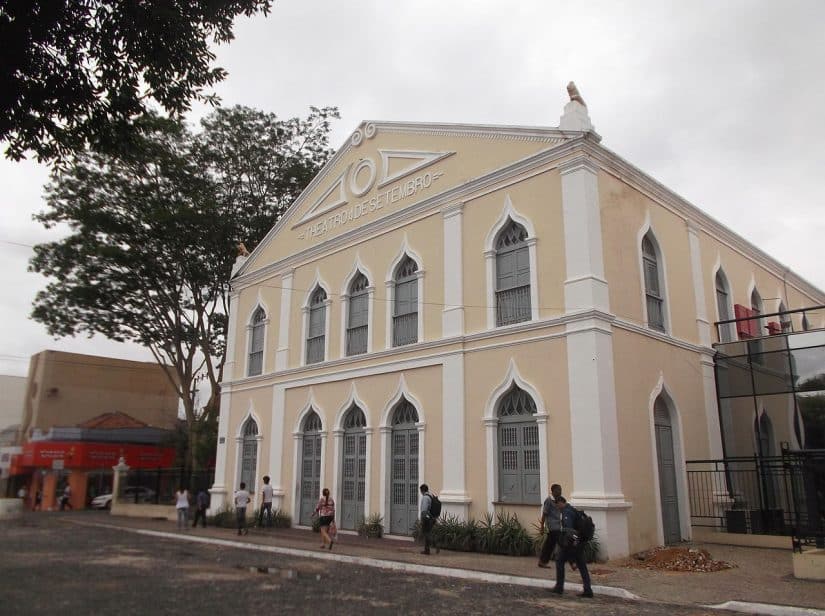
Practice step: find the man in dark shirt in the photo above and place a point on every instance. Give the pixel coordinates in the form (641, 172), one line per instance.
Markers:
(550, 516)
(572, 549)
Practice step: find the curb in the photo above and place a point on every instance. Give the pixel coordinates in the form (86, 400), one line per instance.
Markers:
(765, 609)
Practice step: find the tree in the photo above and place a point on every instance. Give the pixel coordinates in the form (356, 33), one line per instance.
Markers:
(78, 72)
(154, 234)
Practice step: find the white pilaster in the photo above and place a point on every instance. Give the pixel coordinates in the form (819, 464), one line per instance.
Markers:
(453, 490)
(385, 433)
(490, 428)
(593, 417)
(368, 472)
(219, 489)
(702, 323)
(585, 287)
(297, 441)
(337, 488)
(231, 335)
(276, 446)
(453, 314)
(282, 354)
(715, 450)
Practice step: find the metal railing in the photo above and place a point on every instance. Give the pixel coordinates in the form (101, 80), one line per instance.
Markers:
(780, 495)
(513, 305)
(158, 486)
(315, 349)
(357, 340)
(405, 329)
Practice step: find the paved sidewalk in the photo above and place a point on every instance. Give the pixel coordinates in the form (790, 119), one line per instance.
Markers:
(761, 575)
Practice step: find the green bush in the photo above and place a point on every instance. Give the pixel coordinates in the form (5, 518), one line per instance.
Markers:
(280, 519)
(225, 518)
(372, 526)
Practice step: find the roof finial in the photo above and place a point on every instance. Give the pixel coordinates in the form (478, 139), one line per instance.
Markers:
(573, 91)
(575, 116)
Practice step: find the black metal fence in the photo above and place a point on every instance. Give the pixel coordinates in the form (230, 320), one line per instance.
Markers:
(158, 486)
(781, 495)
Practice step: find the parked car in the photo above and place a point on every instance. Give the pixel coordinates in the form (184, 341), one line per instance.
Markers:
(131, 494)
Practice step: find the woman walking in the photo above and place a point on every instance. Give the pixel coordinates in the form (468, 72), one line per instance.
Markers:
(326, 511)
(182, 506)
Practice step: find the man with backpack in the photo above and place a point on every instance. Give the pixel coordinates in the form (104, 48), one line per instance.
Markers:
(430, 510)
(576, 530)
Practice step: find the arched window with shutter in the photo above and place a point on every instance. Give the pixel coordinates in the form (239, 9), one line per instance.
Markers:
(405, 303)
(317, 326)
(257, 331)
(518, 448)
(512, 275)
(654, 297)
(358, 316)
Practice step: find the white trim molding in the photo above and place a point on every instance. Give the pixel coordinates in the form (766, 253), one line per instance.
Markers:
(508, 212)
(490, 420)
(389, 283)
(682, 493)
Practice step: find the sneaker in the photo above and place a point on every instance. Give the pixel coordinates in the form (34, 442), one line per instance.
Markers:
(587, 594)
(556, 590)
(544, 565)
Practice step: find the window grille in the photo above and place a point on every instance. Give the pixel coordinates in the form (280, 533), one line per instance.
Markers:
(256, 343)
(316, 336)
(653, 294)
(405, 305)
(512, 275)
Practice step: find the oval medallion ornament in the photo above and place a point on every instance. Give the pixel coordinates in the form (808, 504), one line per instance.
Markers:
(362, 177)
(357, 138)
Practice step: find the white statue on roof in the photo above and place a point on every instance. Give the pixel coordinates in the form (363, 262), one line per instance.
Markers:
(575, 116)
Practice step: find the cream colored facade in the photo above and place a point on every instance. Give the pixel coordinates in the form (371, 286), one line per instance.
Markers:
(586, 354)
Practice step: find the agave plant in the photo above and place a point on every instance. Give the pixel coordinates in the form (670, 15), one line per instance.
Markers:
(372, 526)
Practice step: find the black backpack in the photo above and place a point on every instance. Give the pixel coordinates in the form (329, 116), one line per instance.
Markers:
(584, 526)
(435, 506)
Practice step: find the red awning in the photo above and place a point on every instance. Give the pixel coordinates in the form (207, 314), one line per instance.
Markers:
(79, 455)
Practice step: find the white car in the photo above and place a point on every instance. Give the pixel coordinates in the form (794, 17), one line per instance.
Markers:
(143, 495)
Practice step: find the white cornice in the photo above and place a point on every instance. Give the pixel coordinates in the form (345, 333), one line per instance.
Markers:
(585, 143)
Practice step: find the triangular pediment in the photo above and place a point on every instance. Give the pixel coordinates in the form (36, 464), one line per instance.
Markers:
(385, 167)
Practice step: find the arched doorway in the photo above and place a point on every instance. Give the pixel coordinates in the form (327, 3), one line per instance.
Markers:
(353, 469)
(310, 466)
(666, 459)
(404, 475)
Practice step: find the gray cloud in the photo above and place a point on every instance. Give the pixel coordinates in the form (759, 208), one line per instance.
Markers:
(721, 101)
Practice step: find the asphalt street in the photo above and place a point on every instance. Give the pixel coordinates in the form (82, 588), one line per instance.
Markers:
(50, 565)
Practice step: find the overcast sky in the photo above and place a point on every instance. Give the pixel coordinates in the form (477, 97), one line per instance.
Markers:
(723, 102)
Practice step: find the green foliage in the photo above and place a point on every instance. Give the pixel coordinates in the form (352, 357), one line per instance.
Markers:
(372, 526)
(500, 534)
(79, 73)
(280, 519)
(153, 238)
(225, 518)
(592, 549)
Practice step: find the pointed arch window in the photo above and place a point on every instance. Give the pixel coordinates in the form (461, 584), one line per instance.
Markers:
(518, 448)
(316, 332)
(654, 298)
(723, 307)
(249, 453)
(255, 361)
(512, 275)
(358, 315)
(405, 303)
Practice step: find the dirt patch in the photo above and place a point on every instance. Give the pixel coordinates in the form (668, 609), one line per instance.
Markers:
(691, 560)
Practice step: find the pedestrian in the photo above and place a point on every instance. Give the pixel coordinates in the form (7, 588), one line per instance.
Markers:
(38, 501)
(66, 499)
(572, 549)
(266, 503)
(182, 507)
(326, 510)
(22, 494)
(427, 519)
(241, 501)
(201, 505)
(552, 519)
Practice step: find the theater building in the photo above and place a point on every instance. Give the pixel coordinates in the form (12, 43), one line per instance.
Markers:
(488, 309)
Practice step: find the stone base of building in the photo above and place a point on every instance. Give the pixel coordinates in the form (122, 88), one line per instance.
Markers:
(11, 508)
(809, 565)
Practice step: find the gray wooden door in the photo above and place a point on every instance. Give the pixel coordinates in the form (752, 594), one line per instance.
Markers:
(354, 469)
(310, 476)
(667, 473)
(404, 487)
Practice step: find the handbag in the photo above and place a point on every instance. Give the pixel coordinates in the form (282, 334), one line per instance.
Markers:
(333, 530)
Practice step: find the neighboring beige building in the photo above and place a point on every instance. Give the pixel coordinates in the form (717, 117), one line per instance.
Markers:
(67, 389)
(489, 309)
(12, 394)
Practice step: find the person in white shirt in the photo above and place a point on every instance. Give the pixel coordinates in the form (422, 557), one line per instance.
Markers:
(182, 507)
(266, 503)
(241, 501)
